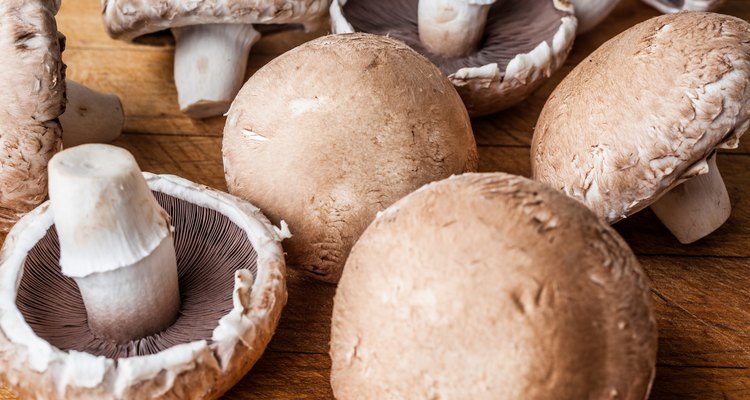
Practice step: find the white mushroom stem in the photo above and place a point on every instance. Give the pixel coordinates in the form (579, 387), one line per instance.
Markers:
(452, 28)
(670, 7)
(115, 241)
(695, 208)
(90, 116)
(209, 66)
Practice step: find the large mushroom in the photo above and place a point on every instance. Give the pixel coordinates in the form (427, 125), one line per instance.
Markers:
(366, 121)
(212, 40)
(638, 122)
(32, 99)
(122, 287)
(491, 286)
(495, 54)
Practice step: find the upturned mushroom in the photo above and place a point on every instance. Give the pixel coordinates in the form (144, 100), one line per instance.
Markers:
(638, 122)
(131, 286)
(366, 121)
(495, 53)
(491, 286)
(212, 40)
(32, 99)
(673, 6)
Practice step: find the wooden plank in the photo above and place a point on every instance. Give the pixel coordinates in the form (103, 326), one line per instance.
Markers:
(680, 383)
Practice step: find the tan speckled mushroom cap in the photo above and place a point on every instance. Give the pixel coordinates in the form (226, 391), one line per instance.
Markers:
(129, 19)
(642, 113)
(525, 42)
(232, 283)
(32, 97)
(365, 122)
(491, 286)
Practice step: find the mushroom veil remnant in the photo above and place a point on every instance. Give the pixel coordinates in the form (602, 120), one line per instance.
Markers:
(212, 40)
(132, 286)
(327, 146)
(491, 286)
(494, 52)
(638, 122)
(32, 99)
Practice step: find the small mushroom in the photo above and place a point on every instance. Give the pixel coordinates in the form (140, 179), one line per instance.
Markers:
(491, 286)
(591, 12)
(212, 40)
(90, 116)
(32, 99)
(638, 122)
(495, 54)
(366, 121)
(130, 285)
(673, 6)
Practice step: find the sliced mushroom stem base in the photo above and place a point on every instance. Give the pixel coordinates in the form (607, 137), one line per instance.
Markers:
(695, 208)
(452, 28)
(136, 301)
(90, 116)
(209, 66)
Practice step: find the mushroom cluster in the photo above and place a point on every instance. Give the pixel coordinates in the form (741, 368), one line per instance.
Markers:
(33, 98)
(337, 129)
(212, 40)
(495, 53)
(648, 137)
(136, 286)
(489, 286)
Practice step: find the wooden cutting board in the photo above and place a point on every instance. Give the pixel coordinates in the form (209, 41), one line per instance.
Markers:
(701, 292)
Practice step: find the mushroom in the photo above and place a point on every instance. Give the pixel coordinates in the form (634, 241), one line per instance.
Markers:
(490, 286)
(591, 12)
(90, 116)
(212, 40)
(494, 54)
(673, 6)
(638, 122)
(32, 100)
(367, 121)
(135, 286)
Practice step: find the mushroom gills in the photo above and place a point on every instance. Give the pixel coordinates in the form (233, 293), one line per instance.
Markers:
(209, 66)
(209, 248)
(697, 207)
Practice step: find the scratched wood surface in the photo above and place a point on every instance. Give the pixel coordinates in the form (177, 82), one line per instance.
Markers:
(701, 292)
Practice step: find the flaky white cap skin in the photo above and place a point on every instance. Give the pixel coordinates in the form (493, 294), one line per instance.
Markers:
(128, 19)
(492, 286)
(486, 89)
(98, 198)
(32, 97)
(642, 113)
(367, 121)
(36, 369)
(672, 6)
(591, 12)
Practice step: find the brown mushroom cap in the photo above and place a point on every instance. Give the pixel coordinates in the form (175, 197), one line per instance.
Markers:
(33, 97)
(642, 113)
(129, 19)
(335, 130)
(524, 43)
(232, 284)
(489, 286)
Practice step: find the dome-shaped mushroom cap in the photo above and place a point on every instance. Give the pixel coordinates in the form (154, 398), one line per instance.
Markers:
(32, 97)
(335, 130)
(524, 43)
(128, 19)
(489, 286)
(641, 113)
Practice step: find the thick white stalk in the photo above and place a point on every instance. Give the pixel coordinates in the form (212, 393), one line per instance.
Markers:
(695, 208)
(452, 28)
(90, 116)
(209, 66)
(115, 241)
(670, 7)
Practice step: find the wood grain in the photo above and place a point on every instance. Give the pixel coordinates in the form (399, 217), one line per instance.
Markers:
(700, 292)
